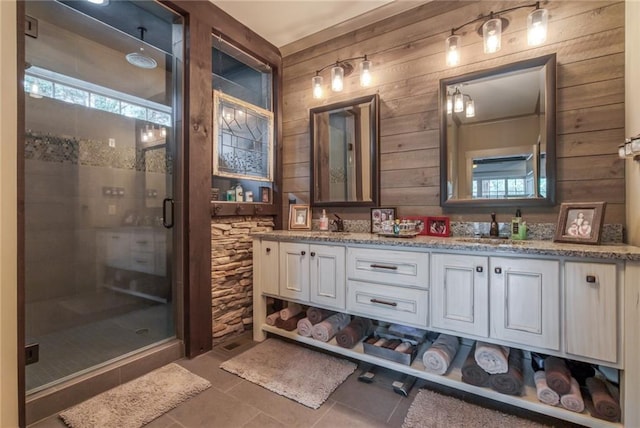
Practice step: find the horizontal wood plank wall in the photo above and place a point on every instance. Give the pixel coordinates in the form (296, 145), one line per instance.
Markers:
(407, 52)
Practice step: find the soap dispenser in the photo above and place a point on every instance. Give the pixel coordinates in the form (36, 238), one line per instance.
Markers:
(324, 221)
(518, 227)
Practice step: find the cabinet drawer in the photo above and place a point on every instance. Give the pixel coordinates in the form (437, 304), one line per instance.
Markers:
(143, 262)
(405, 268)
(142, 242)
(389, 303)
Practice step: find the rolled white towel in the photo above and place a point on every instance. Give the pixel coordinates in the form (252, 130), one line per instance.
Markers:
(573, 400)
(290, 311)
(271, 318)
(441, 353)
(325, 330)
(492, 358)
(545, 394)
(305, 327)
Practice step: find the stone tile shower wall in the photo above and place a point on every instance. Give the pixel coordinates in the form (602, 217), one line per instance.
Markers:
(232, 273)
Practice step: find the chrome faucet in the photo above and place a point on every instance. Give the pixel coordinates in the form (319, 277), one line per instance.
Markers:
(338, 223)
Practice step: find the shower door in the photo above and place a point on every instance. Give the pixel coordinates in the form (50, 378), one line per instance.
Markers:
(102, 84)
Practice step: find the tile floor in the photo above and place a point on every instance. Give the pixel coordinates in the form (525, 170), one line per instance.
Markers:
(233, 402)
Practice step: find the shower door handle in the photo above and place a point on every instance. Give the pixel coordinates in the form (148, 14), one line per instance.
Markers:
(165, 202)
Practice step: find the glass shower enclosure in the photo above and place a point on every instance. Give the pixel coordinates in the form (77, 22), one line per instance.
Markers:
(102, 86)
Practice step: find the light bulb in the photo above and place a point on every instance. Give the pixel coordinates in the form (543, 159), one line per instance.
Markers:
(458, 102)
(163, 132)
(537, 27)
(449, 104)
(337, 79)
(452, 44)
(316, 84)
(470, 111)
(492, 34)
(365, 72)
(34, 92)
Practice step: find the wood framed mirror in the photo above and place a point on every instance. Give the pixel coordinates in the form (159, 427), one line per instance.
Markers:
(498, 136)
(345, 153)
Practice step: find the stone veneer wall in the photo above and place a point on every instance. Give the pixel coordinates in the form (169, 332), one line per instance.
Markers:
(232, 273)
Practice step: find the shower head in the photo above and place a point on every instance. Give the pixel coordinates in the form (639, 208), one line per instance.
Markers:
(139, 59)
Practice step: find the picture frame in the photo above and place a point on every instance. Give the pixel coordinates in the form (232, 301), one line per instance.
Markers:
(299, 217)
(438, 226)
(265, 195)
(378, 215)
(419, 219)
(580, 222)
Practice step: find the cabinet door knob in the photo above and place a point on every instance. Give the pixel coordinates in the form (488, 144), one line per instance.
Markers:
(268, 250)
(498, 270)
(591, 279)
(479, 269)
(313, 254)
(302, 253)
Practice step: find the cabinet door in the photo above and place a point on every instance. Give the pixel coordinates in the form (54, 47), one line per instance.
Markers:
(294, 271)
(460, 293)
(118, 250)
(591, 304)
(269, 264)
(327, 275)
(525, 301)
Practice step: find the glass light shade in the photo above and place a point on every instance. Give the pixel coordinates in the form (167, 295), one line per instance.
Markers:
(537, 27)
(452, 45)
(449, 104)
(163, 132)
(316, 84)
(365, 73)
(337, 79)
(627, 148)
(492, 35)
(470, 111)
(635, 146)
(458, 102)
(621, 152)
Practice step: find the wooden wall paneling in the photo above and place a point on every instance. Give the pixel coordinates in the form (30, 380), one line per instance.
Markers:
(591, 168)
(293, 170)
(408, 160)
(606, 189)
(588, 38)
(589, 143)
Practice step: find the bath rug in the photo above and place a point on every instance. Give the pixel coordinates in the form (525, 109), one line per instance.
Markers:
(290, 370)
(138, 402)
(432, 410)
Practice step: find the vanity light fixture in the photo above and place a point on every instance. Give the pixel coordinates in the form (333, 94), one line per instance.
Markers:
(492, 28)
(339, 70)
(630, 148)
(456, 103)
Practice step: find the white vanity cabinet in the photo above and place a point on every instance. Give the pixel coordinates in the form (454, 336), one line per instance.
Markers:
(525, 301)
(266, 276)
(312, 273)
(460, 293)
(591, 310)
(511, 299)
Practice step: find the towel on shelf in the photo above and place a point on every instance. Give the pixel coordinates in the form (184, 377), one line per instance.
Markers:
(305, 327)
(512, 381)
(545, 394)
(290, 311)
(316, 315)
(289, 324)
(358, 329)
(472, 373)
(573, 400)
(492, 358)
(558, 375)
(325, 330)
(440, 354)
(272, 318)
(605, 406)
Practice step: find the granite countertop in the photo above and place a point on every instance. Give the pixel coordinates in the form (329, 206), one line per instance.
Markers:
(544, 248)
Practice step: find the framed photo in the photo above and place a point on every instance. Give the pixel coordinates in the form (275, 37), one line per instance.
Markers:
(580, 222)
(265, 195)
(378, 215)
(421, 223)
(299, 217)
(438, 226)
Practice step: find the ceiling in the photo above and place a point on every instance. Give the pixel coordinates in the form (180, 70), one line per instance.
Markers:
(282, 22)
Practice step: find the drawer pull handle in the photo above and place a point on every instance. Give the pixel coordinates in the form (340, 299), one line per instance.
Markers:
(313, 254)
(591, 279)
(498, 270)
(377, 266)
(479, 269)
(302, 253)
(142, 242)
(142, 262)
(382, 302)
(268, 250)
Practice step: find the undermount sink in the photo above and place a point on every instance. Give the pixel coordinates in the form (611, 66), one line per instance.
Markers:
(490, 240)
